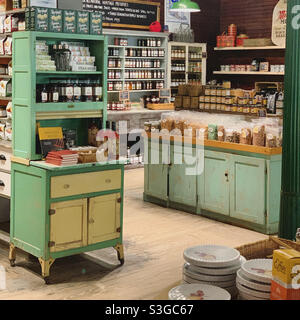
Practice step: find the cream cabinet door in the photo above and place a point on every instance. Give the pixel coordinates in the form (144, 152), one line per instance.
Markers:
(104, 219)
(68, 225)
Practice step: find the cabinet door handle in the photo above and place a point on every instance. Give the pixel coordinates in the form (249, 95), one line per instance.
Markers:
(2, 157)
(70, 106)
(227, 176)
(2, 184)
(108, 180)
(91, 221)
(66, 186)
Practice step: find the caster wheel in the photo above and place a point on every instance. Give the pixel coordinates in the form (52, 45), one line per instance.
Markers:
(12, 263)
(47, 280)
(122, 261)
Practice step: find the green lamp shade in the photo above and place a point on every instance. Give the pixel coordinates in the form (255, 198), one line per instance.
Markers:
(185, 6)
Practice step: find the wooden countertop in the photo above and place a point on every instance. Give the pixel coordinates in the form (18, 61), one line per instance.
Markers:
(220, 145)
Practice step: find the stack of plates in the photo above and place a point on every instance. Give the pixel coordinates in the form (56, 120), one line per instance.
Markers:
(254, 279)
(212, 265)
(198, 292)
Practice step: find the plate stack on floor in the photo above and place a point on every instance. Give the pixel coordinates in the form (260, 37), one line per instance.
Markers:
(198, 292)
(254, 280)
(213, 265)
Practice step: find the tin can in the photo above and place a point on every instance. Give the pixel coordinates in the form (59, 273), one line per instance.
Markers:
(207, 106)
(202, 99)
(213, 106)
(213, 99)
(234, 108)
(202, 106)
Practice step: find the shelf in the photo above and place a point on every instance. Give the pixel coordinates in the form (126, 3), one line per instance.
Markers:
(128, 80)
(68, 106)
(5, 98)
(5, 57)
(70, 72)
(13, 11)
(5, 76)
(250, 48)
(148, 58)
(119, 80)
(252, 73)
(114, 68)
(133, 91)
(5, 144)
(144, 68)
(135, 47)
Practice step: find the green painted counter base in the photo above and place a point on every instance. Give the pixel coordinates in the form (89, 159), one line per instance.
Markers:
(235, 187)
(58, 213)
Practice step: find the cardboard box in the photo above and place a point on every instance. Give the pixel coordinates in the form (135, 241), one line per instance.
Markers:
(69, 21)
(186, 102)
(195, 102)
(83, 22)
(39, 19)
(286, 275)
(95, 23)
(55, 20)
(195, 90)
(178, 102)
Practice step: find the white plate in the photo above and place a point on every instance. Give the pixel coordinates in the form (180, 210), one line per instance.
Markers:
(218, 271)
(245, 296)
(233, 291)
(212, 256)
(225, 284)
(254, 293)
(243, 280)
(198, 292)
(258, 270)
(200, 276)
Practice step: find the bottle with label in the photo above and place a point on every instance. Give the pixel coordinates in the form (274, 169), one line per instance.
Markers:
(77, 91)
(97, 91)
(55, 94)
(69, 91)
(44, 95)
(59, 58)
(88, 91)
(66, 58)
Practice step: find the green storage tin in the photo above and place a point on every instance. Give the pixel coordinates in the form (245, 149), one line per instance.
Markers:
(69, 21)
(95, 23)
(83, 22)
(55, 20)
(39, 19)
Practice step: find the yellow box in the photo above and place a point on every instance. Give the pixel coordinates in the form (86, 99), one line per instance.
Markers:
(286, 275)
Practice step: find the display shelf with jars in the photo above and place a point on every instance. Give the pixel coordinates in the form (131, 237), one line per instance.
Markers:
(137, 63)
(187, 64)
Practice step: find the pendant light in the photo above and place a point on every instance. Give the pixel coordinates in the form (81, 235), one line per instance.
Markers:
(185, 6)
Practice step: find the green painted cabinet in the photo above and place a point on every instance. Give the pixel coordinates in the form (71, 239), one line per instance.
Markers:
(234, 186)
(214, 183)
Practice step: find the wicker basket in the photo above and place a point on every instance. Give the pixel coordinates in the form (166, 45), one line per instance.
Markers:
(87, 156)
(263, 249)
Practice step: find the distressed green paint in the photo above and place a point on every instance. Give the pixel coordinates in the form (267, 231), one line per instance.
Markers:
(214, 196)
(290, 190)
(30, 221)
(25, 79)
(250, 197)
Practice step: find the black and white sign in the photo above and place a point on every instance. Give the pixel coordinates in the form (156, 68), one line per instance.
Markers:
(130, 13)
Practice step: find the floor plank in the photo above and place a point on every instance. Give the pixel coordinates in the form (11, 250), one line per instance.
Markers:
(154, 239)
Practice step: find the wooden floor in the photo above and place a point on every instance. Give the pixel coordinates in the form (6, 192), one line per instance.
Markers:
(154, 239)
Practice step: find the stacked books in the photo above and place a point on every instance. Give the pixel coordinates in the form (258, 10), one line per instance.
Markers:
(62, 158)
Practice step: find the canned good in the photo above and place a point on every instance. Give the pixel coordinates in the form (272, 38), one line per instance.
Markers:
(234, 108)
(207, 106)
(213, 91)
(202, 99)
(207, 91)
(218, 106)
(228, 93)
(222, 107)
(213, 106)
(228, 107)
(229, 100)
(213, 99)
(202, 106)
(219, 92)
(254, 109)
(240, 108)
(207, 99)
(223, 92)
(246, 109)
(223, 100)
(219, 99)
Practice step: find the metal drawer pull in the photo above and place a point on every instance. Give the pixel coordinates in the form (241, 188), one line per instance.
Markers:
(227, 175)
(2, 184)
(71, 106)
(66, 186)
(108, 180)
(91, 221)
(2, 157)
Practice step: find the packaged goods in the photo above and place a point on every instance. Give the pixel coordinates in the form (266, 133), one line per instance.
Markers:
(83, 22)
(212, 132)
(2, 131)
(55, 20)
(221, 133)
(11, 24)
(2, 50)
(5, 88)
(8, 133)
(69, 21)
(2, 19)
(3, 112)
(95, 23)
(246, 136)
(259, 135)
(9, 110)
(286, 275)
(39, 19)
(229, 136)
(8, 46)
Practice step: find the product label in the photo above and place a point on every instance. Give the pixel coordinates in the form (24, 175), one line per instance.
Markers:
(41, 19)
(98, 91)
(69, 92)
(70, 21)
(44, 97)
(95, 23)
(83, 19)
(55, 20)
(88, 91)
(55, 96)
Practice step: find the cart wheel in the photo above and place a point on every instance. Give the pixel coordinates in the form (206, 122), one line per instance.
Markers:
(12, 263)
(122, 261)
(47, 280)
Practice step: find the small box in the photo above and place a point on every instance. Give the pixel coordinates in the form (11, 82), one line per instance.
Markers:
(286, 275)
(39, 19)
(195, 90)
(83, 22)
(264, 67)
(178, 102)
(69, 21)
(186, 102)
(195, 102)
(55, 20)
(95, 23)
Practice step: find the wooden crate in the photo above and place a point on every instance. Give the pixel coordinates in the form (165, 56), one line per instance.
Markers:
(161, 106)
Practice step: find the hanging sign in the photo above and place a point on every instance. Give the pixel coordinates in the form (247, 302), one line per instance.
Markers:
(279, 23)
(135, 14)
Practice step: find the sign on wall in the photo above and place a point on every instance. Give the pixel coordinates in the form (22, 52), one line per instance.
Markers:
(174, 19)
(128, 14)
(279, 23)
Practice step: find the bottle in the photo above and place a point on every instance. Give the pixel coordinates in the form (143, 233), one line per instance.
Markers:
(44, 95)
(66, 57)
(97, 91)
(88, 91)
(55, 94)
(77, 91)
(69, 91)
(59, 60)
